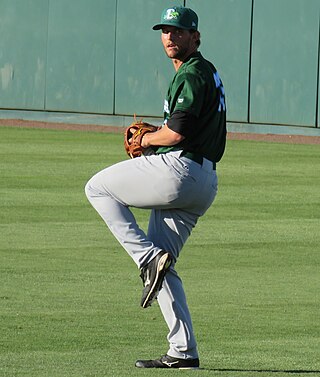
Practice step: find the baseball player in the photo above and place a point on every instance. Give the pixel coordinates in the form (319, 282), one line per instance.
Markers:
(178, 183)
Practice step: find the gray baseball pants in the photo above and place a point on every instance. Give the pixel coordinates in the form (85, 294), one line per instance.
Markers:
(178, 191)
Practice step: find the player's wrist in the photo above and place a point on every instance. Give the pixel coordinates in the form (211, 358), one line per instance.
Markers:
(145, 142)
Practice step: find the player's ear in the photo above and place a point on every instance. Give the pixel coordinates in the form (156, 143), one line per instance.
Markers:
(196, 37)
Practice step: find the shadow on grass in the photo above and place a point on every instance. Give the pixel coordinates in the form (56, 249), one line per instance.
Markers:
(293, 371)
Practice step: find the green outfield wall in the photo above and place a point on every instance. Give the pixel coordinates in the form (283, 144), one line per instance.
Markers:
(101, 57)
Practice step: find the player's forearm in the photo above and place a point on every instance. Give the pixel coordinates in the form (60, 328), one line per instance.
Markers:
(163, 137)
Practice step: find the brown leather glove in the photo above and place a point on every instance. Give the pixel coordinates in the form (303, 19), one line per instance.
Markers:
(133, 136)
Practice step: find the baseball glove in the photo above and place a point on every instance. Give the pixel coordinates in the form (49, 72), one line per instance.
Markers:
(133, 136)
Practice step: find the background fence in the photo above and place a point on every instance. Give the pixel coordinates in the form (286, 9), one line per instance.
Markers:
(101, 57)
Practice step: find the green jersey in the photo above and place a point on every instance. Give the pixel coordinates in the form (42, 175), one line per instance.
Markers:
(197, 91)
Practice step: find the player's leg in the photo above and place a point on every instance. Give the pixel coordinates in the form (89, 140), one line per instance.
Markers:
(160, 181)
(170, 230)
(147, 182)
(174, 308)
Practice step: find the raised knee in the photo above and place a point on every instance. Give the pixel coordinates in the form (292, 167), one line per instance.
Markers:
(88, 189)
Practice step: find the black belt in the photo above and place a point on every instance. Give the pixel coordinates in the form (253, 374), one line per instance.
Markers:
(195, 157)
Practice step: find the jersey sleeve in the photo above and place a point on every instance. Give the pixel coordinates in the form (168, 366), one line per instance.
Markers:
(189, 95)
(182, 122)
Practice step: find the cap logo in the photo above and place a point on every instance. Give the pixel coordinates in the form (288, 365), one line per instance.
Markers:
(171, 14)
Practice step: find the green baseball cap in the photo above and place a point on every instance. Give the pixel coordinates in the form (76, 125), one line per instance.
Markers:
(180, 17)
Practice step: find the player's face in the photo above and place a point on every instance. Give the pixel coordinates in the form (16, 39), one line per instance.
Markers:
(178, 43)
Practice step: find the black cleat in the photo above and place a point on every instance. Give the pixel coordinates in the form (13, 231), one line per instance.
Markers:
(152, 276)
(169, 362)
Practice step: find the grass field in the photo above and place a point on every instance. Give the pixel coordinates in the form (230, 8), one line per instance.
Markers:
(69, 295)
